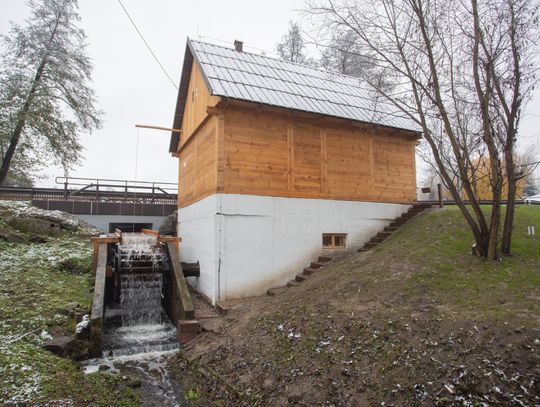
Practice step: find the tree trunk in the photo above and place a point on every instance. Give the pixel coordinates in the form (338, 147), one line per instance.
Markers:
(506, 243)
(16, 135)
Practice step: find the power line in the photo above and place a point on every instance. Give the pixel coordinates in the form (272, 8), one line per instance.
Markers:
(147, 45)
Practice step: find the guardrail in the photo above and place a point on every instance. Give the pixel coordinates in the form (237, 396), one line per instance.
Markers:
(97, 190)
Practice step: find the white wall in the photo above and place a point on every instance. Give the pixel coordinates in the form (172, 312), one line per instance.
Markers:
(197, 228)
(102, 221)
(264, 242)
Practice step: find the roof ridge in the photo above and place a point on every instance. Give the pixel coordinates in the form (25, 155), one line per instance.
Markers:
(278, 59)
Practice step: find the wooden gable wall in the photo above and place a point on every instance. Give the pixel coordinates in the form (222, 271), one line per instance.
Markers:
(198, 98)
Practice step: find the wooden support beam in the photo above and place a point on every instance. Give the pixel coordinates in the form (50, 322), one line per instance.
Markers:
(167, 239)
(324, 163)
(214, 110)
(146, 126)
(98, 303)
(150, 232)
(220, 151)
(290, 165)
(183, 306)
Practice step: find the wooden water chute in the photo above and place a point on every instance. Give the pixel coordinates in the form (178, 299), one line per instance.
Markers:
(109, 265)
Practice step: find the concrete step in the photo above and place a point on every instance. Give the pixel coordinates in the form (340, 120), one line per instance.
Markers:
(275, 291)
(324, 259)
(423, 205)
(363, 249)
(317, 265)
(309, 271)
(292, 283)
(370, 245)
(300, 277)
(391, 228)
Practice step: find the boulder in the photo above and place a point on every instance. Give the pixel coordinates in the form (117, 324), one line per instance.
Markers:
(12, 236)
(61, 346)
(168, 226)
(214, 325)
(35, 226)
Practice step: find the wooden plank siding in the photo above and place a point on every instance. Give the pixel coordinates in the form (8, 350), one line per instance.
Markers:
(198, 99)
(269, 153)
(247, 149)
(197, 174)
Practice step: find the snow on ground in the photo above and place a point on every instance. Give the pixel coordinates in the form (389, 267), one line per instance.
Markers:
(27, 210)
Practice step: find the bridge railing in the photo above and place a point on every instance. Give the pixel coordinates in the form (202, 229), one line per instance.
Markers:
(97, 190)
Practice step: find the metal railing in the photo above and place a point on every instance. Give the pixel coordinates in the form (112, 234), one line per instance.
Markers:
(123, 190)
(97, 190)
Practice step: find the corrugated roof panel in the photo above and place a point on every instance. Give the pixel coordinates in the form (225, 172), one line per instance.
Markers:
(217, 87)
(271, 81)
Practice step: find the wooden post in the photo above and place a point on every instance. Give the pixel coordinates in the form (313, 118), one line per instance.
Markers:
(290, 149)
(98, 304)
(220, 153)
(182, 308)
(439, 193)
(324, 163)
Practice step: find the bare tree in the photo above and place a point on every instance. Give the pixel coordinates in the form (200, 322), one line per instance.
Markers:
(45, 99)
(447, 59)
(344, 55)
(292, 46)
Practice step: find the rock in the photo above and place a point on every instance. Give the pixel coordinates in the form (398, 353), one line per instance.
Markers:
(168, 226)
(69, 309)
(75, 266)
(212, 325)
(61, 346)
(101, 368)
(35, 226)
(132, 382)
(11, 236)
(78, 315)
(295, 394)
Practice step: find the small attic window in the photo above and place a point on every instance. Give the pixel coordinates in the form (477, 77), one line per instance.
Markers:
(334, 240)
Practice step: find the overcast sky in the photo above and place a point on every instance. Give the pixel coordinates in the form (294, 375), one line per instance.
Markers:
(132, 89)
(130, 86)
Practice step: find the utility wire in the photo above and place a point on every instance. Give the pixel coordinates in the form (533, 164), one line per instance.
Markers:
(147, 45)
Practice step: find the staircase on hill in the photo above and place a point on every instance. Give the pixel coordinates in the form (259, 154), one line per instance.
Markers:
(395, 225)
(322, 261)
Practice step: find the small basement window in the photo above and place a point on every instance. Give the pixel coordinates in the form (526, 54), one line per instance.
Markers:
(334, 240)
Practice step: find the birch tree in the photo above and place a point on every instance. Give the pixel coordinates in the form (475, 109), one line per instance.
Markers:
(463, 72)
(45, 94)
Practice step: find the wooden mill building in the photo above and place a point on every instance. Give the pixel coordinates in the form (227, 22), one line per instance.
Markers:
(280, 163)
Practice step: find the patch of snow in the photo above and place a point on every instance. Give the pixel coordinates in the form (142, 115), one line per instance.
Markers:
(81, 326)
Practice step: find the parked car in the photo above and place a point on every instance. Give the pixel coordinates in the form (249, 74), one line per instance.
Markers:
(532, 199)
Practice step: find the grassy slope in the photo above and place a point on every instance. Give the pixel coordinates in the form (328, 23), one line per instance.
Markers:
(34, 290)
(417, 322)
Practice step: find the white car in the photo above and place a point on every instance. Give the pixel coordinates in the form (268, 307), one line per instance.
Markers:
(532, 199)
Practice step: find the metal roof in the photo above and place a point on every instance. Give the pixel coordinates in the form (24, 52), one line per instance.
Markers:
(261, 79)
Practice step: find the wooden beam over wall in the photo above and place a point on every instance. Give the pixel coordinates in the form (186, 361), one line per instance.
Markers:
(371, 165)
(324, 163)
(220, 159)
(290, 149)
